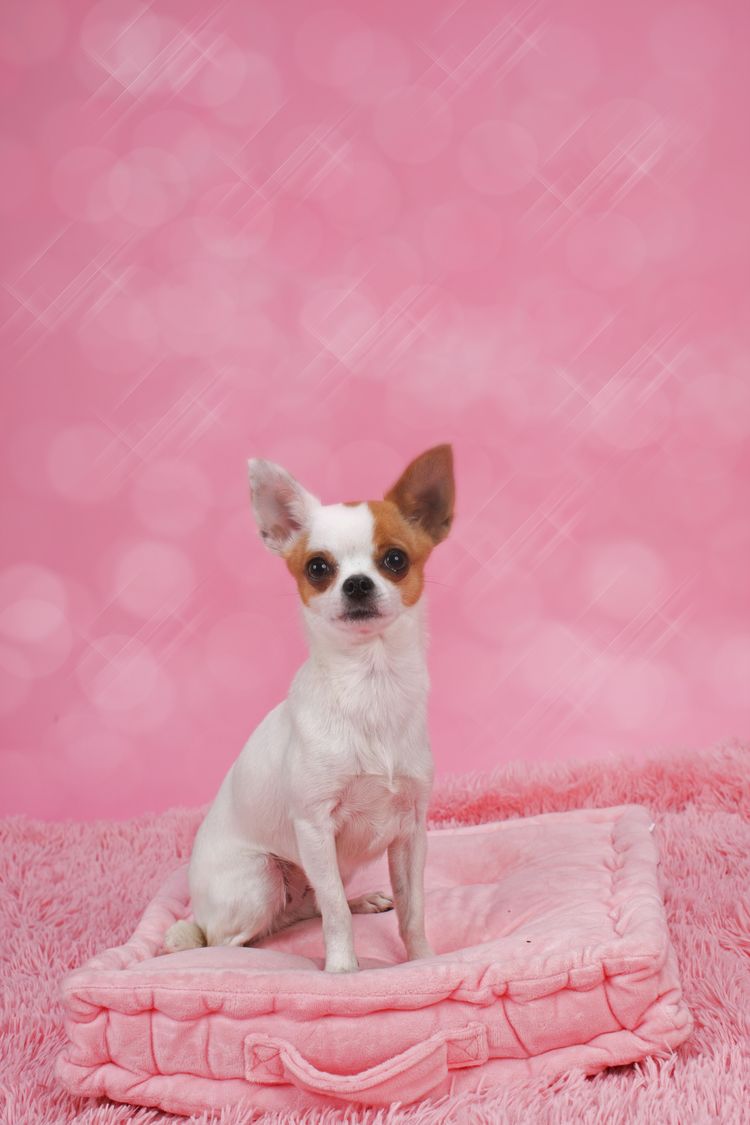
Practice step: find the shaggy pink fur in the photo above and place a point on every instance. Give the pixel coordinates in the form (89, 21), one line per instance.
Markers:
(68, 890)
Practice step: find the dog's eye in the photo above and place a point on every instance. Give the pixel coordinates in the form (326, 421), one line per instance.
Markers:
(395, 560)
(318, 568)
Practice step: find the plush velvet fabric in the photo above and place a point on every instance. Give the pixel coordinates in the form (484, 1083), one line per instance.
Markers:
(551, 952)
(70, 889)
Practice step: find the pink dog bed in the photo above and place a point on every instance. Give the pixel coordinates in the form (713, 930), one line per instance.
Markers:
(551, 953)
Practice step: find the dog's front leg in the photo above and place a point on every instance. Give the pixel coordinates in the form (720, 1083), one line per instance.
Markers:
(406, 860)
(317, 851)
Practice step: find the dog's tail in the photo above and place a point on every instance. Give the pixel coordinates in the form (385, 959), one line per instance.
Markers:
(183, 935)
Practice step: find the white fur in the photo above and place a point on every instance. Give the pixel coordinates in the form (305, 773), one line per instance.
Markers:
(334, 776)
(347, 532)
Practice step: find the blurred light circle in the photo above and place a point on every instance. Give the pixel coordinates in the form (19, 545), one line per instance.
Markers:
(231, 653)
(729, 549)
(549, 116)
(24, 451)
(34, 619)
(30, 620)
(462, 235)
(730, 670)
(606, 251)
(121, 334)
(318, 38)
(171, 496)
(153, 579)
(297, 235)
(80, 183)
(358, 192)
(85, 463)
(118, 673)
(566, 316)
(552, 658)
(623, 578)
(257, 99)
(621, 415)
(689, 39)
(237, 238)
(391, 265)
(195, 317)
(413, 124)
(20, 180)
(208, 76)
(714, 404)
(147, 187)
(184, 134)
(89, 745)
(33, 582)
(339, 319)
(668, 226)
(236, 545)
(628, 126)
(499, 606)
(367, 466)
(126, 43)
(636, 693)
(367, 65)
(498, 157)
(565, 61)
(15, 679)
(302, 156)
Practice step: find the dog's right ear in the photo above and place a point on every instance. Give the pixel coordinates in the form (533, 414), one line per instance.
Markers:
(282, 507)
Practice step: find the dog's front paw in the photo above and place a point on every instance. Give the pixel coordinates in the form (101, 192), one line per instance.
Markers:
(342, 964)
(373, 903)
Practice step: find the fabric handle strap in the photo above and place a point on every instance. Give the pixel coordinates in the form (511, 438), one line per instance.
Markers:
(405, 1077)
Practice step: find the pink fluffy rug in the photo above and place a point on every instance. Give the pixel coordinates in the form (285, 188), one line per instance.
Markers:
(68, 890)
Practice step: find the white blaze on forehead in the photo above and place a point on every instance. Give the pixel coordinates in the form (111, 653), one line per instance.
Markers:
(345, 530)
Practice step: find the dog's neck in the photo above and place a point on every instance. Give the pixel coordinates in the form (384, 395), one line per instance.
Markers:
(398, 653)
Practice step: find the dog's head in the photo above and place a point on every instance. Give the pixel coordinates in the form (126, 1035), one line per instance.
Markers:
(358, 565)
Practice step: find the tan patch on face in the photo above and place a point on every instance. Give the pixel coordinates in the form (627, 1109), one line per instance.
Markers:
(297, 559)
(392, 530)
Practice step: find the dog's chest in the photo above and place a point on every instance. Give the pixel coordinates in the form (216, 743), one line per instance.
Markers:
(372, 810)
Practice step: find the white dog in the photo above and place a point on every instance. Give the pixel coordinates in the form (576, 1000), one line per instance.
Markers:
(341, 770)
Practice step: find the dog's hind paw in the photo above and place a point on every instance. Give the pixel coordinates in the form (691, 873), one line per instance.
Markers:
(373, 903)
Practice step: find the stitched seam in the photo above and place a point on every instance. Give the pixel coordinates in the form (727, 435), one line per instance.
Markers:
(489, 826)
(139, 1074)
(634, 962)
(457, 987)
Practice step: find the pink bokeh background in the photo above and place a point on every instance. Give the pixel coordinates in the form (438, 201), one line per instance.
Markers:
(334, 236)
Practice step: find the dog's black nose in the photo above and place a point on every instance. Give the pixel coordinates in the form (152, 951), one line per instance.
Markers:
(358, 586)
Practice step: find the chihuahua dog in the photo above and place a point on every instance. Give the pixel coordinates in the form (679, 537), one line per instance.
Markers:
(341, 771)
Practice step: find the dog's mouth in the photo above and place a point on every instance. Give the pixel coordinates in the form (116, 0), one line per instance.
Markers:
(360, 613)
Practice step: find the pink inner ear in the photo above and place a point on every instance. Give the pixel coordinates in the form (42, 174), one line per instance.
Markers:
(279, 504)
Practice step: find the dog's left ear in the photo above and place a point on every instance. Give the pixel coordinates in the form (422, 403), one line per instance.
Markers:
(281, 505)
(425, 492)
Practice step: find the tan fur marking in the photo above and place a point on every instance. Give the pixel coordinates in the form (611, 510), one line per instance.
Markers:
(297, 559)
(425, 492)
(392, 530)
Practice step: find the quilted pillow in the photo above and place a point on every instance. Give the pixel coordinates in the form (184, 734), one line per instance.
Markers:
(551, 952)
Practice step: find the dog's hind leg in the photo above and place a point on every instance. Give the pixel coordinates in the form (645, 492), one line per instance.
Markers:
(299, 897)
(240, 899)
(301, 904)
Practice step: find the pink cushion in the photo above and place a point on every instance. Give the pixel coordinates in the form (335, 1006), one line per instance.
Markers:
(552, 952)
